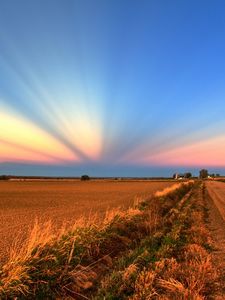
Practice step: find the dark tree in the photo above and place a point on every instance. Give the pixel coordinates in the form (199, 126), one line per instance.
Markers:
(187, 175)
(217, 175)
(85, 177)
(203, 173)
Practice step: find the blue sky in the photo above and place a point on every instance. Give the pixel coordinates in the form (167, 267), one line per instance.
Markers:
(111, 87)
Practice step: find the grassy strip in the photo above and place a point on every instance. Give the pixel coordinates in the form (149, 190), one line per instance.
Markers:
(221, 180)
(72, 264)
(174, 263)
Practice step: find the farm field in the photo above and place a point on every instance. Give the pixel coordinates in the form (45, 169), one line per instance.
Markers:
(21, 203)
(168, 246)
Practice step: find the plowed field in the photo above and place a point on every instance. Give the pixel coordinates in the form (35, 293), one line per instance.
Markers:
(62, 202)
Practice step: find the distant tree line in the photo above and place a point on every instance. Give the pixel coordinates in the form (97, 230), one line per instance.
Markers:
(186, 175)
(205, 174)
(4, 177)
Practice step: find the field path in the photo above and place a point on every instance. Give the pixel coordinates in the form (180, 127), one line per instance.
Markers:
(21, 203)
(216, 190)
(216, 211)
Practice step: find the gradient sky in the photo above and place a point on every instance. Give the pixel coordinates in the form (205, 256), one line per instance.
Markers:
(120, 87)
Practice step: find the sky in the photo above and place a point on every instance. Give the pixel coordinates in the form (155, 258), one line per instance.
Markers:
(112, 88)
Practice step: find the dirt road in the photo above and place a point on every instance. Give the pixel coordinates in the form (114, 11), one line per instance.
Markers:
(216, 212)
(216, 190)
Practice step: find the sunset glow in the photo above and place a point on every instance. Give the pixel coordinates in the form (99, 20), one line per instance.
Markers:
(209, 152)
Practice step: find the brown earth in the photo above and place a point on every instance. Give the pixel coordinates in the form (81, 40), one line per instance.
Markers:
(215, 197)
(21, 203)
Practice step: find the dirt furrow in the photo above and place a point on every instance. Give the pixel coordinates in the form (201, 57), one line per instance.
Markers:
(215, 202)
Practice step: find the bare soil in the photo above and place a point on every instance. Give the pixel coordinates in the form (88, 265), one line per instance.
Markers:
(21, 203)
(215, 197)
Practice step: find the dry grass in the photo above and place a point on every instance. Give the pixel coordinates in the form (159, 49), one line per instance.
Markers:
(154, 245)
(171, 189)
(188, 272)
